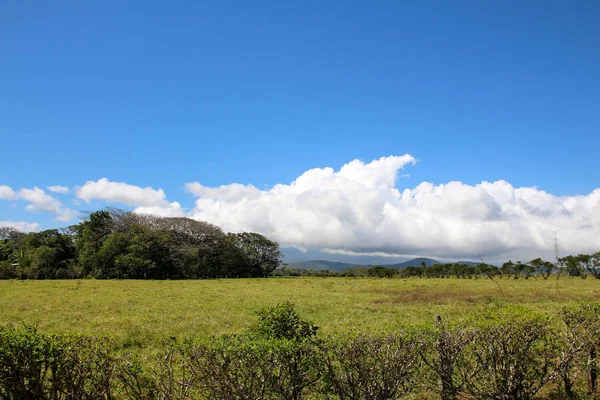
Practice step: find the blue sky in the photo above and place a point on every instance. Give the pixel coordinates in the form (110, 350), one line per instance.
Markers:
(161, 94)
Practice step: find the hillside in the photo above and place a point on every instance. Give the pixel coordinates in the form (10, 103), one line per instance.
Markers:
(320, 265)
(415, 262)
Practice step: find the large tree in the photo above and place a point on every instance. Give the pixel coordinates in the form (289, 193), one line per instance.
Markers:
(260, 255)
(544, 268)
(89, 238)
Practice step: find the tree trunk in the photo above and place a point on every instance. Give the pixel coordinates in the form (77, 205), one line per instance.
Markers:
(592, 371)
(568, 385)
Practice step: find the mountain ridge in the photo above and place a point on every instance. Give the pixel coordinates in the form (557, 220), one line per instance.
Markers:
(322, 265)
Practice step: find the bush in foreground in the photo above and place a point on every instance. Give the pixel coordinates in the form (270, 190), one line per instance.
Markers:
(512, 354)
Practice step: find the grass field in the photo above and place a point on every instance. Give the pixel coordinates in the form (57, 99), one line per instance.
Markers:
(141, 312)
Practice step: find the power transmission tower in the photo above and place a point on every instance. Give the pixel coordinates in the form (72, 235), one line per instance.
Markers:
(557, 254)
(556, 249)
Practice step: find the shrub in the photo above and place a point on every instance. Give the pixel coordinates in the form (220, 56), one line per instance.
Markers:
(38, 366)
(282, 322)
(135, 378)
(230, 368)
(295, 368)
(447, 355)
(372, 366)
(581, 347)
(517, 355)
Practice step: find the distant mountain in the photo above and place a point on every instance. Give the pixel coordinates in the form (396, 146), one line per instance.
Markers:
(321, 265)
(468, 262)
(415, 262)
(291, 255)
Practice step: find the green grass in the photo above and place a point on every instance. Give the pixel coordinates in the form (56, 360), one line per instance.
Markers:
(141, 312)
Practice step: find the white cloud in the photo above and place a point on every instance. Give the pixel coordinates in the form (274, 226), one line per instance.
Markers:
(21, 225)
(7, 193)
(232, 192)
(359, 209)
(170, 210)
(66, 214)
(146, 200)
(121, 192)
(58, 189)
(40, 201)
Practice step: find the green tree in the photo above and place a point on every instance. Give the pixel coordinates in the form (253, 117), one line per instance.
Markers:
(105, 264)
(595, 269)
(89, 237)
(544, 268)
(571, 265)
(153, 253)
(259, 255)
(508, 269)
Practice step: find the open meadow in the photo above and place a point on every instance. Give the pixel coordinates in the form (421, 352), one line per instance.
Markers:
(142, 312)
(133, 339)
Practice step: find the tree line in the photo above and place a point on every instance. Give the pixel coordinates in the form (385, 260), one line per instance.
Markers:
(573, 266)
(507, 354)
(119, 244)
(580, 265)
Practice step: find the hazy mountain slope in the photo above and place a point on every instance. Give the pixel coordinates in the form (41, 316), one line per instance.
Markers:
(320, 265)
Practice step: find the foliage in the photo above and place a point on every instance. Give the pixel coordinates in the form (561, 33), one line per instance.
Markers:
(282, 322)
(516, 354)
(510, 354)
(249, 368)
(382, 272)
(581, 348)
(446, 355)
(372, 366)
(38, 366)
(582, 264)
(115, 244)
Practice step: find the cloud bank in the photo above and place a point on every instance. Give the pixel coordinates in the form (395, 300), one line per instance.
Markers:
(360, 209)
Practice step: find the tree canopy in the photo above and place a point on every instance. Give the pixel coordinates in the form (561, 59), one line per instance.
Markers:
(114, 244)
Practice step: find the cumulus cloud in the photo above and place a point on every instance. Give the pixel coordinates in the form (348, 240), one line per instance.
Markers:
(6, 193)
(363, 209)
(360, 210)
(146, 200)
(121, 192)
(21, 225)
(170, 210)
(41, 201)
(58, 189)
